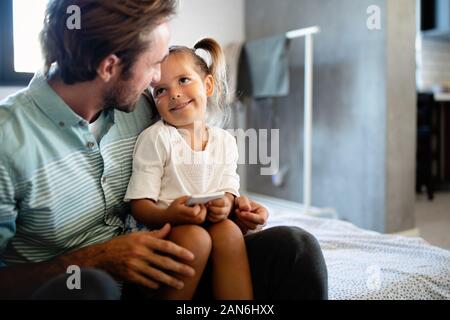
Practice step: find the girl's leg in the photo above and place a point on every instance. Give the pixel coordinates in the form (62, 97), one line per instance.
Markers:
(231, 278)
(197, 240)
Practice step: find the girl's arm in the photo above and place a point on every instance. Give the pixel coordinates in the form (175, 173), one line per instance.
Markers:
(147, 212)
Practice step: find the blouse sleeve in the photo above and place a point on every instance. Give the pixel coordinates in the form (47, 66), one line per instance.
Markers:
(230, 180)
(149, 157)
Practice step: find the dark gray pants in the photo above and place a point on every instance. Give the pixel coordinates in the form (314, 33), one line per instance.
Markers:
(95, 285)
(287, 263)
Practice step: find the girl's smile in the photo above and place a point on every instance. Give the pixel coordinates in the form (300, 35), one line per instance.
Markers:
(180, 106)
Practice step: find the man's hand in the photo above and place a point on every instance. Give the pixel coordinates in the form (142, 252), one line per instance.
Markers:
(145, 258)
(141, 257)
(180, 213)
(249, 214)
(218, 210)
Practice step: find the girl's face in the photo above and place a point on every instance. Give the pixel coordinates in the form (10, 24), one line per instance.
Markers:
(181, 94)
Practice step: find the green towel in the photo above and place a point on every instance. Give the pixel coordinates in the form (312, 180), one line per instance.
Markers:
(264, 68)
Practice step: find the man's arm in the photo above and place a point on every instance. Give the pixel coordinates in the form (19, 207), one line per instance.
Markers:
(141, 257)
(20, 281)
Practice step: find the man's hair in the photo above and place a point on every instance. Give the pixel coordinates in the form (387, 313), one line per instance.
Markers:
(119, 27)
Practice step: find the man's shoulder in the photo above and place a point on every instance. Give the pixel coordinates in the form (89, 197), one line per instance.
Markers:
(13, 104)
(15, 111)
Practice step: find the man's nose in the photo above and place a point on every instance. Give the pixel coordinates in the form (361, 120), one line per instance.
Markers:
(157, 75)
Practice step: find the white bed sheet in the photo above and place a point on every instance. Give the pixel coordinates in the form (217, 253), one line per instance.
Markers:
(368, 265)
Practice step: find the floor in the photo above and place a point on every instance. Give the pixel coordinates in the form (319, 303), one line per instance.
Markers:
(433, 219)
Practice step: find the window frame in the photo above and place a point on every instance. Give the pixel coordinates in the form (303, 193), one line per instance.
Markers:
(8, 76)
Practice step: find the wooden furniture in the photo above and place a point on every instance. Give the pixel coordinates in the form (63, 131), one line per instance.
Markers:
(433, 143)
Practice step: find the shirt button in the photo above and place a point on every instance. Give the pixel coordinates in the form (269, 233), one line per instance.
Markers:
(81, 123)
(90, 145)
(62, 124)
(104, 180)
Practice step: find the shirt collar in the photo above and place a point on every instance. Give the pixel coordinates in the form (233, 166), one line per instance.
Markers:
(110, 114)
(55, 107)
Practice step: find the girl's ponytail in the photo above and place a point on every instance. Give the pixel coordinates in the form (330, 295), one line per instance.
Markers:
(218, 111)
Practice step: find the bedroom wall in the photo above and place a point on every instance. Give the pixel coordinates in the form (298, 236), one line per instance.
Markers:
(354, 166)
(208, 18)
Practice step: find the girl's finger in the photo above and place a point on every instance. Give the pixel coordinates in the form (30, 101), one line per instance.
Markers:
(182, 200)
(217, 203)
(218, 210)
(212, 218)
(191, 211)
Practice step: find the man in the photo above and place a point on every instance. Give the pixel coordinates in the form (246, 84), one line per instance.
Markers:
(67, 143)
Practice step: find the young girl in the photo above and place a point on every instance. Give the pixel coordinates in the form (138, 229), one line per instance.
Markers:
(184, 154)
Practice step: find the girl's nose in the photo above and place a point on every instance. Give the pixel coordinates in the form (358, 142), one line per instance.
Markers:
(176, 96)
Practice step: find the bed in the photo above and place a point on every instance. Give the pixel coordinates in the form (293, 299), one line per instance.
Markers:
(368, 265)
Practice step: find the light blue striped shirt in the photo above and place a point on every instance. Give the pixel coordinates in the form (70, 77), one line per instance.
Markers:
(60, 190)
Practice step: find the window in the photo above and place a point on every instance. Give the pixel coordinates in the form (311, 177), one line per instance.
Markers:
(20, 24)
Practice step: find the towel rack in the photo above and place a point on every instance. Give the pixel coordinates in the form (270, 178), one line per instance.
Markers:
(307, 153)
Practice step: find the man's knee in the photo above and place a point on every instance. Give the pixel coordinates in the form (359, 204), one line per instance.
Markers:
(93, 285)
(100, 284)
(298, 240)
(306, 254)
(299, 252)
(288, 238)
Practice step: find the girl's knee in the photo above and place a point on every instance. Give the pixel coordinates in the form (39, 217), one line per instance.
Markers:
(192, 237)
(225, 233)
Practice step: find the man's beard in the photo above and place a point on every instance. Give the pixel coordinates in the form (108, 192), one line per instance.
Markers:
(119, 97)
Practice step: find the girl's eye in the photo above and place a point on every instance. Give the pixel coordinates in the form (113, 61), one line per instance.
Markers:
(158, 92)
(184, 80)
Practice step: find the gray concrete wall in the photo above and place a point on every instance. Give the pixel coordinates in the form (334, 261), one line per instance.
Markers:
(350, 109)
(401, 120)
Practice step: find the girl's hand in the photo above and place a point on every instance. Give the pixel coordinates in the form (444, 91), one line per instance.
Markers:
(218, 210)
(180, 213)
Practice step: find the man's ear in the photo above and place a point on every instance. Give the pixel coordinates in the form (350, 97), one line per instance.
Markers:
(109, 68)
(209, 85)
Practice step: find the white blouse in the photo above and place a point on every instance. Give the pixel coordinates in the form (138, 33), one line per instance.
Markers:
(166, 168)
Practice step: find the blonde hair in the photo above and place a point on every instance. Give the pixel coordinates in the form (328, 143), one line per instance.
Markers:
(217, 111)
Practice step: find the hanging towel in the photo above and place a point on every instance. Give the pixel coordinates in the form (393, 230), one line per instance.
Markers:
(232, 52)
(264, 68)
